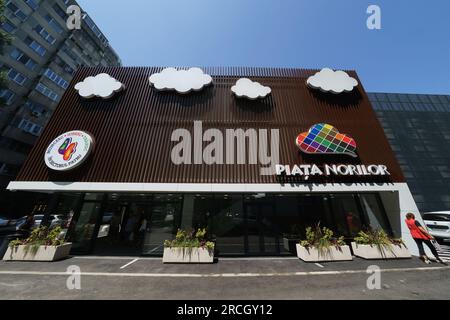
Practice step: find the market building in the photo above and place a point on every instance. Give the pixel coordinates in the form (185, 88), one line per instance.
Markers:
(252, 154)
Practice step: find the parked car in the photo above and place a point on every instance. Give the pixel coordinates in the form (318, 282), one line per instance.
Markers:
(4, 222)
(107, 217)
(38, 220)
(438, 224)
(56, 220)
(9, 230)
(10, 226)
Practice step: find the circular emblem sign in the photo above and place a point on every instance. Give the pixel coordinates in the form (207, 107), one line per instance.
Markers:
(69, 151)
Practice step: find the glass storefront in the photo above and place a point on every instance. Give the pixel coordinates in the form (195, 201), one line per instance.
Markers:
(240, 224)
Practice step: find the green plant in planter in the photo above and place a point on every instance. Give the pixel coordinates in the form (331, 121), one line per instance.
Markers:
(41, 236)
(190, 239)
(378, 238)
(322, 239)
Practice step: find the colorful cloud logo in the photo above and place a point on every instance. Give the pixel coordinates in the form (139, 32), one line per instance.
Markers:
(326, 139)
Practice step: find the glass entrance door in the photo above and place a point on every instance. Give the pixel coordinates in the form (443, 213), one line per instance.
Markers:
(161, 223)
(137, 224)
(262, 236)
(83, 227)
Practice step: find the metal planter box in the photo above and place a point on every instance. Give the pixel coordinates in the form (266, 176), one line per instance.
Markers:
(369, 252)
(43, 253)
(188, 255)
(342, 253)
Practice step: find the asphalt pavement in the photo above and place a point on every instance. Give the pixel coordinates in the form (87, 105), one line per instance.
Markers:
(100, 278)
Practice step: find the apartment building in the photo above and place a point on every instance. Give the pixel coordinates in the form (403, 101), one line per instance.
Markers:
(40, 63)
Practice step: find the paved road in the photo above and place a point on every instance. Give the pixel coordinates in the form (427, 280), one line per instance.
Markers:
(108, 278)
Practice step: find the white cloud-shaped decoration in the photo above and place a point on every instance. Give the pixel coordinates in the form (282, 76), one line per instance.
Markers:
(328, 80)
(102, 85)
(182, 81)
(250, 89)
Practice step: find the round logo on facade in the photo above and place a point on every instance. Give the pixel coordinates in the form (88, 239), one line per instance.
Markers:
(69, 151)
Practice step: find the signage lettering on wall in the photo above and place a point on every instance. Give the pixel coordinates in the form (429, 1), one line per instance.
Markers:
(68, 151)
(332, 170)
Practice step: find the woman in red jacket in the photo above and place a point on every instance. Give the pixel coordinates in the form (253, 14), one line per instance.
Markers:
(421, 236)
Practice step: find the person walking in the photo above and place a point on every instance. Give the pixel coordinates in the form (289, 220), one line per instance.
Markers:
(421, 236)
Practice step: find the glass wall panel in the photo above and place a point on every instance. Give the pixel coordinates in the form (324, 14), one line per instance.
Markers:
(241, 224)
(374, 212)
(84, 226)
(64, 211)
(135, 224)
(347, 216)
(262, 229)
(162, 221)
(227, 224)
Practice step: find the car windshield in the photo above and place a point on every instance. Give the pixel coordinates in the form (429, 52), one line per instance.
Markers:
(437, 217)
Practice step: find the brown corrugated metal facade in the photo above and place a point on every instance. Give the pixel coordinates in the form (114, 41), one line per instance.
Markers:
(133, 130)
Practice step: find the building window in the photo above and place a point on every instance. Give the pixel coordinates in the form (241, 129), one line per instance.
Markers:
(17, 77)
(16, 11)
(60, 11)
(32, 4)
(56, 78)
(37, 109)
(95, 29)
(64, 66)
(68, 69)
(8, 26)
(18, 55)
(46, 92)
(72, 55)
(8, 169)
(55, 25)
(30, 127)
(40, 50)
(7, 96)
(14, 145)
(44, 34)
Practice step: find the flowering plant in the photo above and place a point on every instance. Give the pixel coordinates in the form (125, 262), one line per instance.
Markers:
(190, 239)
(41, 236)
(321, 238)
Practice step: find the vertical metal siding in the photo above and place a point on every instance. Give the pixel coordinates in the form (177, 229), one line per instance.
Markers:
(133, 130)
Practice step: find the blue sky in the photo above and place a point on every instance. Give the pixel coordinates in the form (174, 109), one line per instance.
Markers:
(411, 54)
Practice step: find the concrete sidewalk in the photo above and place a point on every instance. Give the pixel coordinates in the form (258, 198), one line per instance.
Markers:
(234, 278)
